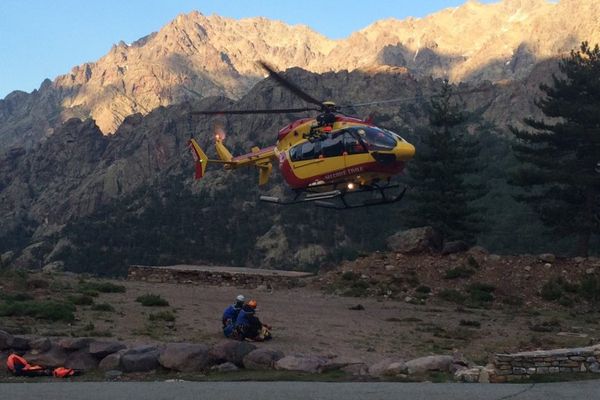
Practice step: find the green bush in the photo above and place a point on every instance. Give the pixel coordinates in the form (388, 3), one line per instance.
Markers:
(423, 289)
(38, 284)
(590, 288)
(162, 316)
(16, 297)
(102, 287)
(152, 300)
(103, 307)
(552, 290)
(49, 310)
(459, 272)
(349, 276)
(81, 300)
(452, 295)
(481, 293)
(475, 324)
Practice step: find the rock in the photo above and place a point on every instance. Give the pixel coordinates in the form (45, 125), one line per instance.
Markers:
(54, 357)
(381, 368)
(579, 260)
(360, 369)
(72, 344)
(53, 267)
(590, 271)
(5, 340)
(140, 359)
(20, 343)
(225, 367)
(527, 268)
(3, 356)
(415, 241)
(358, 307)
(262, 358)
(311, 364)
(7, 257)
(40, 345)
(457, 246)
(486, 373)
(469, 375)
(230, 350)
(390, 267)
(477, 251)
(101, 349)
(594, 367)
(429, 363)
(547, 258)
(547, 265)
(113, 374)
(185, 357)
(337, 363)
(111, 361)
(494, 258)
(81, 359)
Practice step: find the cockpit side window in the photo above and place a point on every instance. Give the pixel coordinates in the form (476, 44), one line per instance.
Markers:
(333, 145)
(376, 139)
(353, 144)
(305, 151)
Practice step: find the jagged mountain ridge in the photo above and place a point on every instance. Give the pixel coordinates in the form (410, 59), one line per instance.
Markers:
(199, 56)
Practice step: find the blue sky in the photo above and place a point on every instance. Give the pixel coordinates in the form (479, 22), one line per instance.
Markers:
(44, 38)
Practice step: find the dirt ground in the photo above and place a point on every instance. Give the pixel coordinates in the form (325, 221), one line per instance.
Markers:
(308, 320)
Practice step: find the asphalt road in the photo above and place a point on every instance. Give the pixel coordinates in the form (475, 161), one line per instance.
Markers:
(583, 390)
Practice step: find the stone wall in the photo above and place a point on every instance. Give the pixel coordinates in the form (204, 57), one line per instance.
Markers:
(517, 366)
(218, 276)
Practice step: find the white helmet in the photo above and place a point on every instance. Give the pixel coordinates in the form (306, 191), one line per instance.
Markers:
(240, 298)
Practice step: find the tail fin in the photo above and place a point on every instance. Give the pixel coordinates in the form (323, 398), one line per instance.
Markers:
(222, 151)
(201, 158)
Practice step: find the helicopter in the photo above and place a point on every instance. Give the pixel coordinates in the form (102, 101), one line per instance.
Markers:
(325, 160)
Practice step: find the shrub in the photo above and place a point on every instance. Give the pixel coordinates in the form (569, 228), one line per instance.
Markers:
(452, 295)
(552, 290)
(459, 272)
(49, 310)
(103, 307)
(103, 287)
(16, 297)
(475, 324)
(472, 262)
(81, 300)
(162, 316)
(152, 300)
(481, 293)
(38, 284)
(590, 288)
(423, 289)
(349, 276)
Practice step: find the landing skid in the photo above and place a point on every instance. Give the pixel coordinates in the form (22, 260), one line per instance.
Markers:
(320, 198)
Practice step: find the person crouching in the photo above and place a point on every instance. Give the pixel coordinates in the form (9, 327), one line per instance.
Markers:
(248, 326)
(230, 316)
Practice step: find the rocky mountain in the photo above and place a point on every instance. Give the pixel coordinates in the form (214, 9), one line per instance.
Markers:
(197, 56)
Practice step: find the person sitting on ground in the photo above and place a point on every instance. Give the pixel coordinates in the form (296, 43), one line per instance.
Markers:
(248, 326)
(230, 315)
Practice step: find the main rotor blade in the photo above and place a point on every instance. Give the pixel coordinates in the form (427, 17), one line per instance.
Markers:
(401, 99)
(289, 85)
(263, 111)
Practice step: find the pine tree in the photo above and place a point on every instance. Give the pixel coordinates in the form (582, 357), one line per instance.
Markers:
(560, 157)
(440, 192)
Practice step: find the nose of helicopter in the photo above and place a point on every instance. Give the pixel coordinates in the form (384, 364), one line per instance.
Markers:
(404, 151)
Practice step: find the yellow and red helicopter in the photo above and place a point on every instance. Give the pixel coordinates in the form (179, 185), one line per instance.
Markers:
(329, 157)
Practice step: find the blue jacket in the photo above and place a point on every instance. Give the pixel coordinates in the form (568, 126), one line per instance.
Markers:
(230, 315)
(247, 324)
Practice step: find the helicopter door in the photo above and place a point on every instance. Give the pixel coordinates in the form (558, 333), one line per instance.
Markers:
(319, 159)
(355, 153)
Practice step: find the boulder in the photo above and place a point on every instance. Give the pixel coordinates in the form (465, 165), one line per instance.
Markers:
(387, 367)
(230, 350)
(337, 363)
(113, 374)
(429, 363)
(356, 369)
(415, 241)
(5, 340)
(54, 266)
(3, 356)
(140, 359)
(311, 364)
(40, 345)
(262, 358)
(185, 357)
(73, 344)
(19, 343)
(457, 246)
(225, 367)
(81, 359)
(469, 375)
(100, 348)
(54, 357)
(111, 361)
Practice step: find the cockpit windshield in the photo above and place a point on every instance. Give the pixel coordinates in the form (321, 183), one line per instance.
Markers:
(375, 138)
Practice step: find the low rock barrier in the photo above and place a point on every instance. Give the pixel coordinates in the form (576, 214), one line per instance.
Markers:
(517, 366)
(218, 276)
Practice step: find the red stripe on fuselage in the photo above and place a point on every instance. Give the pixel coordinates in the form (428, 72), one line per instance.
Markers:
(343, 174)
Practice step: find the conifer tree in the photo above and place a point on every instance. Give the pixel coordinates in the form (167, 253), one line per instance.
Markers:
(560, 156)
(440, 192)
